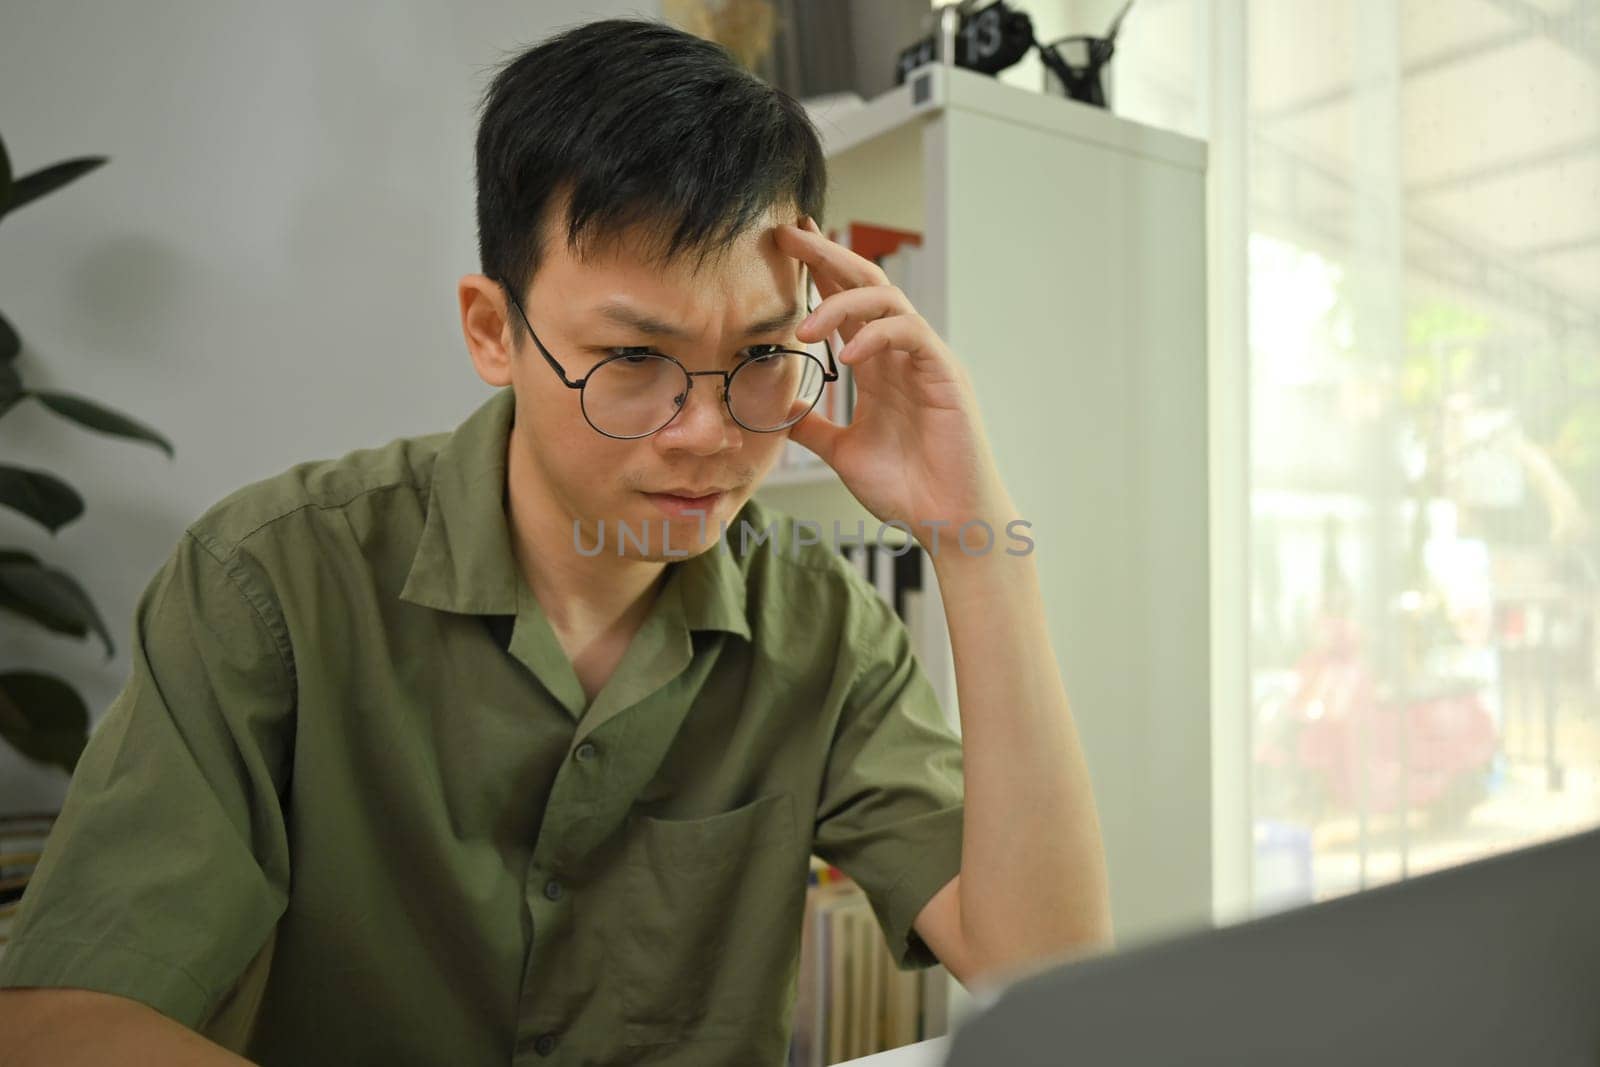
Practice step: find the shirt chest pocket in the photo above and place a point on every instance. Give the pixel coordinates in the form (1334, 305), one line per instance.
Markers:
(713, 921)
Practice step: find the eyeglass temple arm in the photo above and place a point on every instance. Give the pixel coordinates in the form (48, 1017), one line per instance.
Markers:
(831, 374)
(543, 351)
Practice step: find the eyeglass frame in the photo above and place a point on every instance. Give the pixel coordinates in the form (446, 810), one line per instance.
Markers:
(830, 373)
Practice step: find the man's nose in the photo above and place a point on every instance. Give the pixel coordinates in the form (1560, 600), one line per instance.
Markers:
(703, 425)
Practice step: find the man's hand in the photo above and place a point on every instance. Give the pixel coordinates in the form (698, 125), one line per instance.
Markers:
(915, 450)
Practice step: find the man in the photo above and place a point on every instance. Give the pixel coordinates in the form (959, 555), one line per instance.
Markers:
(410, 771)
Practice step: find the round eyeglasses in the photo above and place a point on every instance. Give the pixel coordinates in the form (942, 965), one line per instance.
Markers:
(634, 394)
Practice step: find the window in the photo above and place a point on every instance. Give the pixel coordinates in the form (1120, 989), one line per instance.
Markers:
(1419, 268)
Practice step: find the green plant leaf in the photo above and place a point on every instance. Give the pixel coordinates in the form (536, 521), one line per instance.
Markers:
(88, 413)
(32, 186)
(10, 341)
(39, 495)
(44, 718)
(50, 597)
(11, 389)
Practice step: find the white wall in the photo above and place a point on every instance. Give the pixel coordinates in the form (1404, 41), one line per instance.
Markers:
(265, 270)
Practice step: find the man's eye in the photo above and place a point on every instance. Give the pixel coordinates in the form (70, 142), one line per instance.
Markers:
(633, 355)
(764, 351)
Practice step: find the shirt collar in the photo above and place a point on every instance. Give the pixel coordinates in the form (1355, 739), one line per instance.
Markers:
(464, 562)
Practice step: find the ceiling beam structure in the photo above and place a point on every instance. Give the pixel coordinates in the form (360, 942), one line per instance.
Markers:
(1574, 32)
(1546, 157)
(1450, 258)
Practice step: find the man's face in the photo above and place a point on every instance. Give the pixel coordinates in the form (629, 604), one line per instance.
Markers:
(588, 476)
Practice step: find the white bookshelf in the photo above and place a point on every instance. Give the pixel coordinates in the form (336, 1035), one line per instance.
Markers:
(1066, 266)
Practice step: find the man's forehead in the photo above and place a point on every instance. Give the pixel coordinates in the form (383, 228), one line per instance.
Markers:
(629, 276)
(648, 248)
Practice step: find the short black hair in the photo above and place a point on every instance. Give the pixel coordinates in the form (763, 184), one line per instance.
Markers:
(635, 122)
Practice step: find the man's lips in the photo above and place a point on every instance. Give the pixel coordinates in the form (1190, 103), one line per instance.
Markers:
(684, 506)
(690, 494)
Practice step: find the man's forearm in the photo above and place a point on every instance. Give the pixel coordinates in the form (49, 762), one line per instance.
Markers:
(1033, 875)
(72, 1027)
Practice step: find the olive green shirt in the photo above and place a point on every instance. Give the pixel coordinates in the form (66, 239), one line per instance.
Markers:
(353, 806)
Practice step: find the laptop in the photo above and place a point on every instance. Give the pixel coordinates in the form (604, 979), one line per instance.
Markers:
(1493, 962)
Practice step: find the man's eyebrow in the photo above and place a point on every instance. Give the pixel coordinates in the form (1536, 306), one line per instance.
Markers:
(782, 320)
(634, 319)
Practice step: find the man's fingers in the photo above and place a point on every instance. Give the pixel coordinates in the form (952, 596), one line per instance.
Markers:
(849, 309)
(834, 266)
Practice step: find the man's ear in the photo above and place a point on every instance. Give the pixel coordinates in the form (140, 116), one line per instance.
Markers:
(486, 328)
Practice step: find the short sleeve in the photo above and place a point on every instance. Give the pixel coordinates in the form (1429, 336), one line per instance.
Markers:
(890, 815)
(168, 866)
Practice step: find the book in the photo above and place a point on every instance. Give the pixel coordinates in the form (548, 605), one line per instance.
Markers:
(883, 572)
(933, 648)
(894, 265)
(889, 1018)
(907, 576)
(839, 992)
(851, 999)
(848, 551)
(804, 1048)
(861, 968)
(911, 601)
(872, 998)
(906, 268)
(859, 559)
(908, 1006)
(935, 1002)
(874, 241)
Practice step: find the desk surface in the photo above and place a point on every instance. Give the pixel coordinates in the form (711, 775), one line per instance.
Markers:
(930, 1053)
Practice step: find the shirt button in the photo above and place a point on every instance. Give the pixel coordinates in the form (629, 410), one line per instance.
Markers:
(552, 889)
(585, 752)
(545, 1044)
